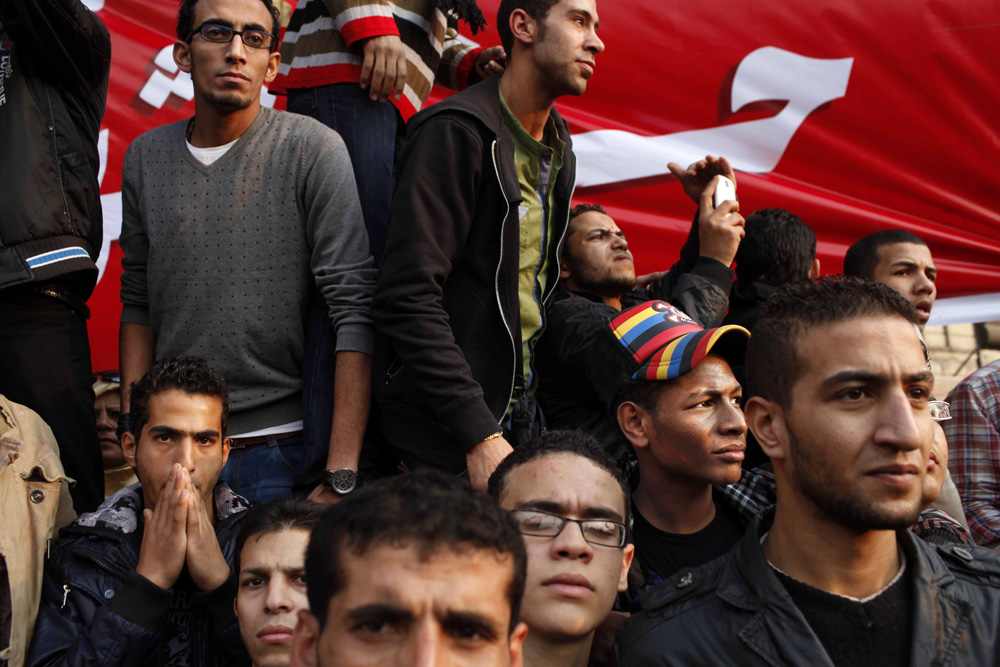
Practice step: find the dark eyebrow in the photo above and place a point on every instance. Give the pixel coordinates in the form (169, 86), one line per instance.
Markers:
(463, 620)
(264, 572)
(584, 12)
(872, 378)
(923, 376)
(379, 612)
(211, 433)
(176, 433)
(593, 512)
(229, 24)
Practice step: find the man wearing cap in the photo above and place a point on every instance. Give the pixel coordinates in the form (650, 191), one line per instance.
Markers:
(677, 403)
(597, 280)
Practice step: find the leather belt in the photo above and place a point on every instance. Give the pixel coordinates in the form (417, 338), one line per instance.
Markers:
(254, 440)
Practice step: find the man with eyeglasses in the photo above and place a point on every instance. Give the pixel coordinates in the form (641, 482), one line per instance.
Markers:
(839, 390)
(235, 223)
(571, 503)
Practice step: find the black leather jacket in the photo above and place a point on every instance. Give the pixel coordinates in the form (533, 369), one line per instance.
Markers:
(734, 611)
(55, 56)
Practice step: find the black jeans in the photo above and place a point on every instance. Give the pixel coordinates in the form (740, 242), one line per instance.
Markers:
(45, 365)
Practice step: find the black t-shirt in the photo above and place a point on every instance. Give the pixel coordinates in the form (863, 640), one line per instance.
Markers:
(875, 633)
(661, 554)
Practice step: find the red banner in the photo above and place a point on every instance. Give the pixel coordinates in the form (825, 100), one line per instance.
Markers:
(855, 116)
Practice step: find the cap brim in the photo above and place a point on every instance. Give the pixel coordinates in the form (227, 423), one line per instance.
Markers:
(682, 354)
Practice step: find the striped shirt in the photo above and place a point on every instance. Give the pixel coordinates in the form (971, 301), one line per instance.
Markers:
(322, 45)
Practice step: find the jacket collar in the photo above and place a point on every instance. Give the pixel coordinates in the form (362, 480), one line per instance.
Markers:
(749, 583)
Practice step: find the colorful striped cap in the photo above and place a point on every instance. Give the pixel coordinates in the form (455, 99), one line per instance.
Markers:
(665, 343)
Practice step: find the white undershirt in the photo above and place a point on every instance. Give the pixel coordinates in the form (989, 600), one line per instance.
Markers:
(209, 155)
(290, 427)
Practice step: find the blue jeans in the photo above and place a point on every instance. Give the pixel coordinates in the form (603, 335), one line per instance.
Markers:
(267, 471)
(369, 130)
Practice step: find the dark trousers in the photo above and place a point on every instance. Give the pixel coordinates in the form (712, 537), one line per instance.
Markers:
(45, 365)
(369, 130)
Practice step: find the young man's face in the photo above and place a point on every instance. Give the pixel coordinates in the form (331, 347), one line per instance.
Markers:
(571, 583)
(107, 407)
(272, 590)
(909, 269)
(858, 431)
(401, 608)
(228, 76)
(182, 428)
(566, 46)
(596, 257)
(697, 430)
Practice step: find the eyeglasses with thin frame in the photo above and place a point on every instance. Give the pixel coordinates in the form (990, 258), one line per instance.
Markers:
(221, 34)
(601, 532)
(940, 410)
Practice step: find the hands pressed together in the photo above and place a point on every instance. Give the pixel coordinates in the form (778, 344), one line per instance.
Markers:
(179, 531)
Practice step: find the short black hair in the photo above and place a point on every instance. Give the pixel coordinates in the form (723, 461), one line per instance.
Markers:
(862, 257)
(274, 516)
(428, 510)
(192, 375)
(185, 20)
(559, 442)
(579, 210)
(773, 364)
(778, 248)
(536, 9)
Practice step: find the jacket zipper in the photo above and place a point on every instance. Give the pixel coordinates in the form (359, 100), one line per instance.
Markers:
(496, 279)
(99, 563)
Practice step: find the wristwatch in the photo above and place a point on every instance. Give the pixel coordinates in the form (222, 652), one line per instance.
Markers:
(342, 480)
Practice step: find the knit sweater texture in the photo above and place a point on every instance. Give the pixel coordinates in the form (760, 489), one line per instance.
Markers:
(222, 260)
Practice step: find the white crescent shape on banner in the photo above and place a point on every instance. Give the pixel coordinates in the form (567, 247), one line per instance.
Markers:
(94, 5)
(756, 146)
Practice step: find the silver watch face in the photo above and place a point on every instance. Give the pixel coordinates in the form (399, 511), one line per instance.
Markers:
(343, 481)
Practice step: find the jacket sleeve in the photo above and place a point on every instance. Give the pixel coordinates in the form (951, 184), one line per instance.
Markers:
(432, 212)
(697, 285)
(457, 61)
(134, 244)
(341, 262)
(62, 38)
(974, 460)
(361, 19)
(86, 631)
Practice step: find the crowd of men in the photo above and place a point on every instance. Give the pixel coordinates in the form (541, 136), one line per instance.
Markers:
(564, 464)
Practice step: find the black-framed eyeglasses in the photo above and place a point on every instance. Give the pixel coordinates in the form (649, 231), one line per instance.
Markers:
(221, 34)
(602, 532)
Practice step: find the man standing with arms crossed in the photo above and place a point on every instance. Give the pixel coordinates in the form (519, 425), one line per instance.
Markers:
(481, 207)
(231, 220)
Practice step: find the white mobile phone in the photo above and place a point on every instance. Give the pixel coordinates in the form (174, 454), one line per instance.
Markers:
(724, 191)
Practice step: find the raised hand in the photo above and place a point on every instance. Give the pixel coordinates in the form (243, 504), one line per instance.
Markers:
(164, 537)
(720, 230)
(699, 175)
(205, 562)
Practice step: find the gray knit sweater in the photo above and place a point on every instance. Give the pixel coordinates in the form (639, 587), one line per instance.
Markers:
(220, 260)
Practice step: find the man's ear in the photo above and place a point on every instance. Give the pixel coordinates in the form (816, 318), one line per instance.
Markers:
(814, 269)
(226, 448)
(128, 448)
(633, 420)
(766, 421)
(517, 644)
(273, 61)
(522, 27)
(564, 272)
(304, 640)
(628, 553)
(182, 56)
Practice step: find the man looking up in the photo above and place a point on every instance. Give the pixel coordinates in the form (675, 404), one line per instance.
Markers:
(597, 280)
(232, 220)
(478, 217)
(901, 260)
(271, 573)
(570, 502)
(677, 403)
(419, 570)
(839, 389)
(145, 579)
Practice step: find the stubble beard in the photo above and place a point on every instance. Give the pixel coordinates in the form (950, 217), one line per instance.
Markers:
(819, 484)
(227, 102)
